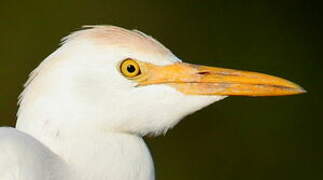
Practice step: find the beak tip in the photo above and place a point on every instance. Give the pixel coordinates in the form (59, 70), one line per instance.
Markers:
(301, 90)
(298, 90)
(295, 88)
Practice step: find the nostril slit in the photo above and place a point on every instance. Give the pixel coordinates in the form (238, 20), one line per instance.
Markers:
(204, 73)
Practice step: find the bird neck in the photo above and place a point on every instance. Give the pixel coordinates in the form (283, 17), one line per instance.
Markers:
(101, 155)
(91, 151)
(107, 156)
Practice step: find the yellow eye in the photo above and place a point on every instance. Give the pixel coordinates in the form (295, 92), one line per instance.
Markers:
(130, 68)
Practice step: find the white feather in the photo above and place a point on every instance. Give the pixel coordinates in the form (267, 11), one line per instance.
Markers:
(79, 118)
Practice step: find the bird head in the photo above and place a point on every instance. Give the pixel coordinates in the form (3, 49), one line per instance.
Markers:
(112, 79)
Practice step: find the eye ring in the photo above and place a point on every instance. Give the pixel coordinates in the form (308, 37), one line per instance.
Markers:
(130, 68)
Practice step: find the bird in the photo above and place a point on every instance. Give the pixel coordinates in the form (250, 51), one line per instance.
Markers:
(85, 109)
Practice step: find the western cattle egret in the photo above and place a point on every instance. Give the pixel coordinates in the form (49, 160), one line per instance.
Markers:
(86, 107)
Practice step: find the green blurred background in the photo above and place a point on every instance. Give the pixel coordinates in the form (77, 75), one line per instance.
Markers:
(237, 138)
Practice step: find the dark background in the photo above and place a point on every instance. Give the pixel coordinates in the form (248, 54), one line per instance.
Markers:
(237, 138)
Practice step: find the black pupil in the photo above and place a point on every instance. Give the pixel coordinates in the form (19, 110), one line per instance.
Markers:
(131, 68)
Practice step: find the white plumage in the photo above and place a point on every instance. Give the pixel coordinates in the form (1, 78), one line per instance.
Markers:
(80, 118)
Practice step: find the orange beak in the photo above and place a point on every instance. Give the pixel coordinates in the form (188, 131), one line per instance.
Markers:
(203, 80)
